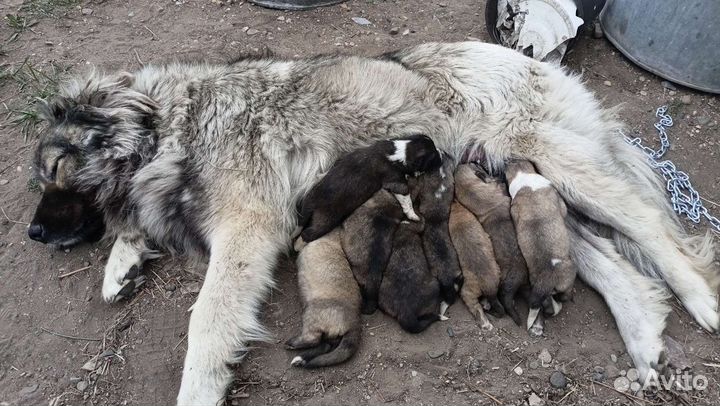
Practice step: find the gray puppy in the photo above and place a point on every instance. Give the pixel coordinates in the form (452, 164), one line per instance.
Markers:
(331, 316)
(486, 197)
(432, 193)
(367, 239)
(539, 215)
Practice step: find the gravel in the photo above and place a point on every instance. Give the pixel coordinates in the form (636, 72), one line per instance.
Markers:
(558, 380)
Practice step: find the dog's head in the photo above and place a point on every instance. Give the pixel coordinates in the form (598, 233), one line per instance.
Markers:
(87, 126)
(421, 155)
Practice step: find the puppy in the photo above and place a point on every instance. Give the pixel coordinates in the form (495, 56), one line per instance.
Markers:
(367, 240)
(409, 292)
(539, 215)
(432, 195)
(486, 197)
(331, 316)
(356, 176)
(477, 260)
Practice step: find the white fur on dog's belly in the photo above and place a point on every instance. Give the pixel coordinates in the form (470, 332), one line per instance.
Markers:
(400, 154)
(531, 180)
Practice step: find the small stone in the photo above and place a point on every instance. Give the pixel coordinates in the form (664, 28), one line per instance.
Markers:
(702, 120)
(635, 387)
(535, 400)
(361, 21)
(558, 380)
(545, 357)
(686, 99)
(435, 354)
(534, 365)
(667, 85)
(598, 377)
(29, 389)
(442, 4)
(251, 31)
(4, 182)
(75, 379)
(622, 372)
(632, 374)
(672, 93)
(474, 367)
(87, 11)
(170, 287)
(643, 93)
(49, 43)
(81, 386)
(611, 371)
(406, 32)
(281, 18)
(394, 30)
(518, 371)
(450, 332)
(622, 384)
(599, 370)
(613, 357)
(413, 373)
(131, 14)
(597, 31)
(607, 83)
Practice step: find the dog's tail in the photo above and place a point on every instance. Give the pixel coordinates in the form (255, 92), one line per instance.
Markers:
(327, 354)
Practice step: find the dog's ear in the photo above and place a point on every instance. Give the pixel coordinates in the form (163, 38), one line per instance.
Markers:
(54, 110)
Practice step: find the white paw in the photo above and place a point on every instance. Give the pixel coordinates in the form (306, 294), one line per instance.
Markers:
(123, 270)
(114, 290)
(297, 361)
(704, 308)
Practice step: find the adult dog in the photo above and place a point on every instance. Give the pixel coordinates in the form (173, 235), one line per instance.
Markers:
(213, 158)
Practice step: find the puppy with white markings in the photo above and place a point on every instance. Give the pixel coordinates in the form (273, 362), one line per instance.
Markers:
(331, 315)
(539, 213)
(477, 260)
(409, 292)
(367, 239)
(486, 197)
(432, 194)
(356, 176)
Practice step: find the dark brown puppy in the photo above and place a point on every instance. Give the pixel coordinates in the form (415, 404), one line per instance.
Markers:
(487, 198)
(331, 298)
(356, 176)
(409, 292)
(432, 195)
(539, 215)
(367, 239)
(477, 260)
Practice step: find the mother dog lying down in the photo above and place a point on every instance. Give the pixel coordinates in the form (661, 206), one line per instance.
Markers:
(213, 158)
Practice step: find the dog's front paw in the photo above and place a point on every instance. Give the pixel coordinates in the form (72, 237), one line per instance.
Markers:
(122, 285)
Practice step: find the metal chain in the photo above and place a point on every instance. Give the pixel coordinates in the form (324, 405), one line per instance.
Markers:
(683, 196)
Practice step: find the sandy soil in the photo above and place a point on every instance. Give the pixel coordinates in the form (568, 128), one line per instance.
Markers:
(51, 326)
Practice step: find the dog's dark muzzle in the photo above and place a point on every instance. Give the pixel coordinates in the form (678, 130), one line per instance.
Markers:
(66, 218)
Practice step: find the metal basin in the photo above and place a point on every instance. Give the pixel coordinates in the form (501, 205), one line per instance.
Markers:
(678, 40)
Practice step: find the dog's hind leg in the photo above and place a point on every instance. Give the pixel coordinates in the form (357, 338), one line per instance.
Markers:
(243, 253)
(636, 301)
(612, 195)
(124, 266)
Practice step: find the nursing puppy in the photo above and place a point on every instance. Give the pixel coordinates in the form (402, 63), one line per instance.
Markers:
(331, 316)
(367, 240)
(432, 195)
(486, 197)
(539, 213)
(409, 292)
(477, 260)
(356, 176)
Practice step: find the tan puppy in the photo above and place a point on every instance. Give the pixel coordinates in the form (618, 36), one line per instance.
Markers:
(331, 316)
(486, 197)
(477, 261)
(539, 215)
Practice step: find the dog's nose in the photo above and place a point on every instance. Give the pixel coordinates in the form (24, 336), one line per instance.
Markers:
(36, 232)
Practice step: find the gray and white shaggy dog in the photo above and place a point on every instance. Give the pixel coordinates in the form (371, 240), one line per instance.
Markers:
(212, 159)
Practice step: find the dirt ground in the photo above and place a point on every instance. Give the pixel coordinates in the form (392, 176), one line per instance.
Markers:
(51, 324)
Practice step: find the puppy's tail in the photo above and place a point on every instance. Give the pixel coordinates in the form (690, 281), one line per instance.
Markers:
(327, 354)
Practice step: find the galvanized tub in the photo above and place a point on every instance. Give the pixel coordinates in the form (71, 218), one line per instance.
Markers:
(295, 4)
(678, 40)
